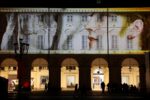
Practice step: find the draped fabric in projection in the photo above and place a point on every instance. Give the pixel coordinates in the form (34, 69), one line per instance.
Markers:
(86, 32)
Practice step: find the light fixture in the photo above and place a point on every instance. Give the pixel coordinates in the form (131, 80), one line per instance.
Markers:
(99, 70)
(130, 67)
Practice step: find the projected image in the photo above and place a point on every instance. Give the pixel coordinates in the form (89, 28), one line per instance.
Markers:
(31, 28)
(75, 31)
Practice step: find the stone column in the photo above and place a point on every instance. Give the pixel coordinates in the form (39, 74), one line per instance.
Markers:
(115, 78)
(142, 83)
(84, 77)
(24, 74)
(147, 60)
(54, 79)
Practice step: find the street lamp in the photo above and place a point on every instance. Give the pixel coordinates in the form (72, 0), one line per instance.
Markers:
(21, 48)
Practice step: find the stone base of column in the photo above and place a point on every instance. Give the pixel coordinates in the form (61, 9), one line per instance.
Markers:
(54, 91)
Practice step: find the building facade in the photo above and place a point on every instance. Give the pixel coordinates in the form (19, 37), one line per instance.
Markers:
(65, 47)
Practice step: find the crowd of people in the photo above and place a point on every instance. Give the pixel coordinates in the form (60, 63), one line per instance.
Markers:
(122, 88)
(111, 89)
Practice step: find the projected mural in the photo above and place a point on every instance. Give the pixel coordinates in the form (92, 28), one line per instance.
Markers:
(75, 32)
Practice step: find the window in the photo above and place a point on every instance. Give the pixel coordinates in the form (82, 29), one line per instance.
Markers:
(14, 68)
(10, 42)
(129, 43)
(71, 67)
(69, 18)
(99, 42)
(42, 68)
(40, 42)
(69, 42)
(26, 38)
(113, 18)
(114, 42)
(99, 18)
(10, 68)
(84, 18)
(84, 41)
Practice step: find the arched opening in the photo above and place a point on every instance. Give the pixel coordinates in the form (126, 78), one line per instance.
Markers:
(99, 73)
(9, 70)
(130, 72)
(69, 74)
(39, 75)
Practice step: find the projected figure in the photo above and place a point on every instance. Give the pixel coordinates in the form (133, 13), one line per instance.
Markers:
(120, 28)
(91, 38)
(41, 32)
(136, 29)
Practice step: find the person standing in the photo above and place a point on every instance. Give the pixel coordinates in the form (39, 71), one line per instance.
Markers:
(103, 87)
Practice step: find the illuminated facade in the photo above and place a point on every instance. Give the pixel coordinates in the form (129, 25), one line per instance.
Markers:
(75, 46)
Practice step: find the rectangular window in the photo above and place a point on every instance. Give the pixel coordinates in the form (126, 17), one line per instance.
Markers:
(129, 44)
(14, 68)
(71, 67)
(114, 18)
(84, 41)
(84, 18)
(99, 18)
(40, 42)
(26, 39)
(99, 42)
(69, 42)
(114, 42)
(69, 18)
(10, 43)
(10, 68)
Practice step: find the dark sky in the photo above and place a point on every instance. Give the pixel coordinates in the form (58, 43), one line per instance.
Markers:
(74, 3)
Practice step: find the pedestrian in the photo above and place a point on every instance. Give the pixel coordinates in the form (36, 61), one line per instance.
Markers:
(103, 87)
(76, 91)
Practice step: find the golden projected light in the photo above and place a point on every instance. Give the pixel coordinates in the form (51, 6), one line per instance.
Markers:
(125, 9)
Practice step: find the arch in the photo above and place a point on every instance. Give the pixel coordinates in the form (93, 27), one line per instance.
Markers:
(69, 61)
(99, 61)
(9, 67)
(8, 62)
(39, 74)
(99, 73)
(39, 61)
(69, 74)
(130, 72)
(130, 61)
